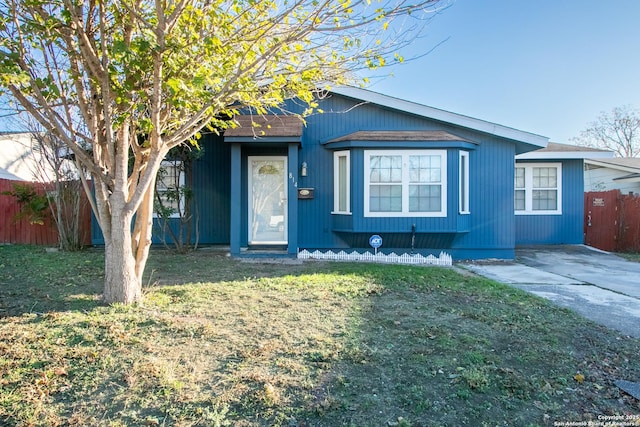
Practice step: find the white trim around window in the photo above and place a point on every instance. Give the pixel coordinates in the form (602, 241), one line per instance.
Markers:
(463, 201)
(538, 189)
(170, 179)
(405, 183)
(342, 183)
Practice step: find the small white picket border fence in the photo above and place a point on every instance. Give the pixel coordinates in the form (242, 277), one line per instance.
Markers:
(444, 259)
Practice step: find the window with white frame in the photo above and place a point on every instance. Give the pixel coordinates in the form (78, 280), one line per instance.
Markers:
(464, 183)
(341, 182)
(169, 201)
(538, 189)
(405, 183)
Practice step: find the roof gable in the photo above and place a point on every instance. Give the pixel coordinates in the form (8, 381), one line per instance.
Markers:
(555, 150)
(626, 164)
(5, 174)
(441, 115)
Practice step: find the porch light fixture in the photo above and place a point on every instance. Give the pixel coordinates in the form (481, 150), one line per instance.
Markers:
(303, 169)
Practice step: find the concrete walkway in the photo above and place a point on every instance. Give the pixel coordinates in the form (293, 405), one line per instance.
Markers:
(598, 285)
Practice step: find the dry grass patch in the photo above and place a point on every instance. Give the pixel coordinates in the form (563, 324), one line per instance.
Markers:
(317, 344)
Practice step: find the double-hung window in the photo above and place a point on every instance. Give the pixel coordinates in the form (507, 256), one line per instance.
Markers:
(405, 183)
(538, 189)
(341, 183)
(463, 179)
(170, 189)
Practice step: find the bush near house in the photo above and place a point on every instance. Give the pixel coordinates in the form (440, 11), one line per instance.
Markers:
(222, 342)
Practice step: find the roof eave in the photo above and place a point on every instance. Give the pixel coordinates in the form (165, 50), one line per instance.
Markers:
(563, 155)
(5, 174)
(263, 139)
(610, 165)
(442, 115)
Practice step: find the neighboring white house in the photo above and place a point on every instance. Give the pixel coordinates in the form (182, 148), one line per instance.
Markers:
(616, 173)
(22, 159)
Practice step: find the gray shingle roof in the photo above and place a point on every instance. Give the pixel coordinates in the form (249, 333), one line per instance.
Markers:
(392, 135)
(265, 126)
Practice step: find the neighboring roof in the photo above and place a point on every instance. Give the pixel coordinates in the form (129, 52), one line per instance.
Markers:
(555, 150)
(628, 164)
(14, 133)
(265, 126)
(631, 165)
(390, 135)
(5, 174)
(441, 115)
(22, 156)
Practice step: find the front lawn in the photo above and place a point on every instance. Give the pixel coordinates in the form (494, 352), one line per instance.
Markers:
(222, 342)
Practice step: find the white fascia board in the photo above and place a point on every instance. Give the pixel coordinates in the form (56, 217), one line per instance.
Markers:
(441, 115)
(549, 155)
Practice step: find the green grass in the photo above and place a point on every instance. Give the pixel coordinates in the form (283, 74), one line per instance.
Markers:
(220, 342)
(631, 256)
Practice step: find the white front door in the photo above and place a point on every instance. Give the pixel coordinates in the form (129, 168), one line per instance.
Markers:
(267, 200)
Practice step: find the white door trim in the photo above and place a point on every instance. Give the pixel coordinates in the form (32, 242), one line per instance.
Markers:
(273, 204)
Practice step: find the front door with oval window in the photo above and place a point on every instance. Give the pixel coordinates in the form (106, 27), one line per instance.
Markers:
(267, 218)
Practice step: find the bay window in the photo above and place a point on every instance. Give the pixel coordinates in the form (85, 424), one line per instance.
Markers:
(405, 183)
(341, 183)
(463, 179)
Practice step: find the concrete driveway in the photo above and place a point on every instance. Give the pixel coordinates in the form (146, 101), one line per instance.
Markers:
(598, 285)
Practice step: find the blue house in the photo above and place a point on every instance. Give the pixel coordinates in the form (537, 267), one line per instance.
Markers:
(554, 175)
(425, 180)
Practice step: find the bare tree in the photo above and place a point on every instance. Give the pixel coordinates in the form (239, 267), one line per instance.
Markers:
(67, 200)
(618, 131)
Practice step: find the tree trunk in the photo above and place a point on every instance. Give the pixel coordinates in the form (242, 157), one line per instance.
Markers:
(121, 283)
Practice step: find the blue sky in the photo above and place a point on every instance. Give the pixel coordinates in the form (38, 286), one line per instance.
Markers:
(547, 67)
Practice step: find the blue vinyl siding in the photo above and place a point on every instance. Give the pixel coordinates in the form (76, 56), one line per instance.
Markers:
(557, 229)
(211, 186)
(96, 233)
(491, 221)
(488, 231)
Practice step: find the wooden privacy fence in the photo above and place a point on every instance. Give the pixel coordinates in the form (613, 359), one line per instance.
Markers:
(20, 231)
(612, 221)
